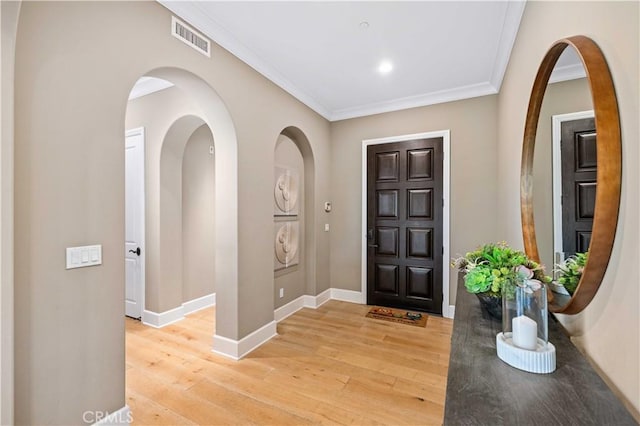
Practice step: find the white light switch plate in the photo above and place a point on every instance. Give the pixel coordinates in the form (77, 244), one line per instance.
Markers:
(79, 257)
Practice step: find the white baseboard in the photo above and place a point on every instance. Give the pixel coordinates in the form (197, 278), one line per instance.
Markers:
(451, 313)
(305, 301)
(122, 417)
(236, 350)
(198, 304)
(321, 299)
(314, 302)
(309, 301)
(347, 295)
(289, 309)
(225, 347)
(162, 319)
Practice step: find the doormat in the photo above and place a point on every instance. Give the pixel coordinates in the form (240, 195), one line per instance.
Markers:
(398, 315)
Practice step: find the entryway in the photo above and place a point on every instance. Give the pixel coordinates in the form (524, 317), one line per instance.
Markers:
(189, 200)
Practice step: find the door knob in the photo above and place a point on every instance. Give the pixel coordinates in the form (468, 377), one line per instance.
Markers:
(371, 238)
(136, 251)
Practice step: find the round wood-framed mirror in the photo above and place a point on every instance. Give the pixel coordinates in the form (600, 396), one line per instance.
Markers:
(609, 167)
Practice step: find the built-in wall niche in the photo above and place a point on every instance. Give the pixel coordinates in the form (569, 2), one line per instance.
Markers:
(294, 218)
(289, 234)
(288, 200)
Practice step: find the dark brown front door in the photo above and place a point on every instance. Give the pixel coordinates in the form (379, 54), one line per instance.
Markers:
(404, 224)
(579, 168)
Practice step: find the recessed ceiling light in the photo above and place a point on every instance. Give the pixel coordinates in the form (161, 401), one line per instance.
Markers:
(364, 25)
(385, 67)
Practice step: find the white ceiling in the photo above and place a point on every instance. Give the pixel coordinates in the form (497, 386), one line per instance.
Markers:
(319, 52)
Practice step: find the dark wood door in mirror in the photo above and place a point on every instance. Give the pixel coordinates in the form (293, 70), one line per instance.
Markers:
(609, 166)
(579, 184)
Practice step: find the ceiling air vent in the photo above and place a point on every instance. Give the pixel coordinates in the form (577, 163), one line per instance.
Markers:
(189, 36)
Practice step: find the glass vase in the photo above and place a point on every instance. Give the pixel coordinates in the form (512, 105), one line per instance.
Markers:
(525, 314)
(523, 342)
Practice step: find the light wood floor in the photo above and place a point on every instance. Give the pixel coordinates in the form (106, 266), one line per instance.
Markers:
(326, 366)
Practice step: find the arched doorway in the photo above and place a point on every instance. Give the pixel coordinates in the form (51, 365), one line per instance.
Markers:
(207, 111)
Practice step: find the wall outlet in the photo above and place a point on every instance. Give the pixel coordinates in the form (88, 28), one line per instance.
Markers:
(281, 293)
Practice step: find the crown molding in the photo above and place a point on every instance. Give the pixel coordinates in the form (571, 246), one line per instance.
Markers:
(426, 99)
(511, 23)
(569, 72)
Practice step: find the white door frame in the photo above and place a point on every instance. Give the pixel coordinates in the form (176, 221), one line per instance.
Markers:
(143, 247)
(447, 309)
(556, 131)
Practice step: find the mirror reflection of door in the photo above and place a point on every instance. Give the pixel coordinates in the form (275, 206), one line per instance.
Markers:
(568, 91)
(579, 164)
(574, 182)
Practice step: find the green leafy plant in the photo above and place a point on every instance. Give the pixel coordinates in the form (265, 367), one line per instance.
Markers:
(489, 268)
(571, 271)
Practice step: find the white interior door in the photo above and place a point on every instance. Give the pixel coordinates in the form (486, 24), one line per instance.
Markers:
(134, 223)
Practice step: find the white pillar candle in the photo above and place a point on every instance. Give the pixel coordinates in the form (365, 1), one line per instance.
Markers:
(525, 333)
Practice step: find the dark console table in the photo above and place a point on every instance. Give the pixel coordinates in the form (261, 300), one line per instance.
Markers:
(483, 390)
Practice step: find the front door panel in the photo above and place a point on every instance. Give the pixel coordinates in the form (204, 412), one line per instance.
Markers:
(404, 222)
